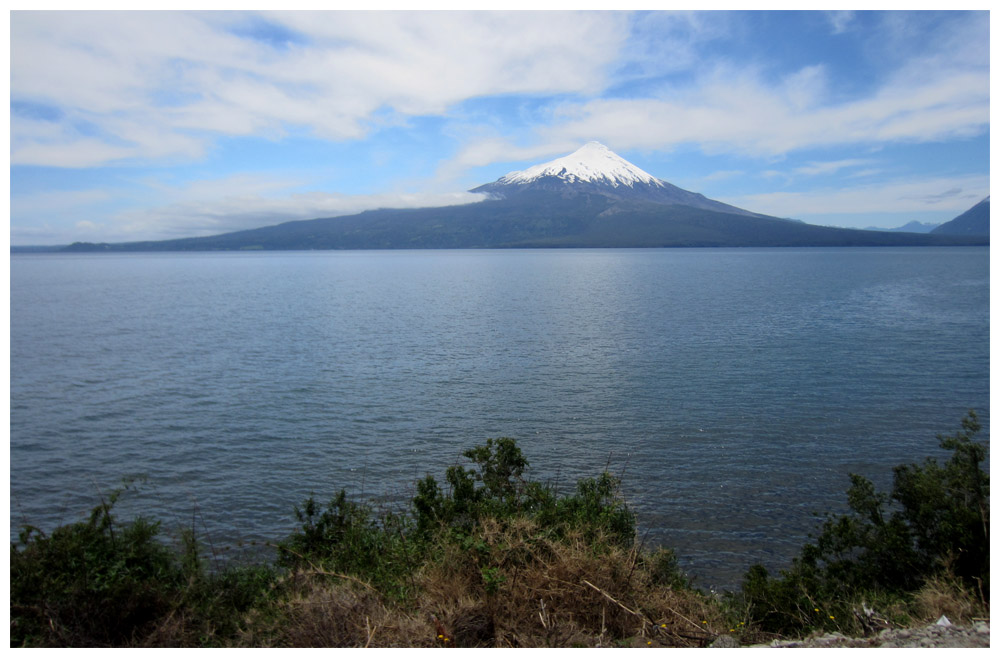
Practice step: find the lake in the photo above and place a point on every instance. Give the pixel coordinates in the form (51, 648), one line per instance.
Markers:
(733, 389)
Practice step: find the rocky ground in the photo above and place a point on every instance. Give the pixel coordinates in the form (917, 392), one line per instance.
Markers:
(942, 634)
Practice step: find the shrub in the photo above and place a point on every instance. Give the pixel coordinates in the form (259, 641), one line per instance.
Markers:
(494, 560)
(597, 507)
(91, 583)
(501, 490)
(947, 507)
(347, 538)
(935, 521)
(105, 583)
(498, 490)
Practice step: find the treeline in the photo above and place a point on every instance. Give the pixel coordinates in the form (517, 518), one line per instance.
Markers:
(495, 559)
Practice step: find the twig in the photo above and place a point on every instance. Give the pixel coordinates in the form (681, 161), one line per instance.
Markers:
(334, 574)
(322, 572)
(635, 552)
(698, 626)
(195, 513)
(644, 617)
(621, 477)
(615, 601)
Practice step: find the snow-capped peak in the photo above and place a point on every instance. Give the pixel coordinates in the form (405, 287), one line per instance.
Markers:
(593, 162)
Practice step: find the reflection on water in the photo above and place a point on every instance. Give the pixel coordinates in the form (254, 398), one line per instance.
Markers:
(735, 389)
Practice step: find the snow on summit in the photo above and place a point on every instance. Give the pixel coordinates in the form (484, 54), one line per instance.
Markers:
(593, 162)
(594, 169)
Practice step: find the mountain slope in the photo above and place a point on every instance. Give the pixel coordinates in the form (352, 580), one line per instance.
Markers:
(974, 221)
(539, 219)
(595, 169)
(590, 198)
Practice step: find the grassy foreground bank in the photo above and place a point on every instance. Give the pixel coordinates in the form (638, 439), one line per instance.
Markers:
(493, 559)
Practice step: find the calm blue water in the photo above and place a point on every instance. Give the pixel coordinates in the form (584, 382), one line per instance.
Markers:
(734, 389)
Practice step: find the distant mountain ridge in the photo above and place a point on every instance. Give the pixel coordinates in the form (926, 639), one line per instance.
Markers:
(909, 227)
(590, 198)
(974, 221)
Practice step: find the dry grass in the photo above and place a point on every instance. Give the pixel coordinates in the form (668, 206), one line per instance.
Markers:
(540, 593)
(324, 611)
(947, 596)
(544, 593)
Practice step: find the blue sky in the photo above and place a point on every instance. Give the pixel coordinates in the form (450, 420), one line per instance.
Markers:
(154, 125)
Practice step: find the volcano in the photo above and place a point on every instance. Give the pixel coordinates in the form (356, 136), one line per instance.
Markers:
(596, 169)
(590, 198)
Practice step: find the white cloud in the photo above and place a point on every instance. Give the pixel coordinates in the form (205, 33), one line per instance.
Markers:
(160, 84)
(40, 217)
(208, 213)
(37, 234)
(804, 88)
(202, 207)
(933, 90)
(840, 21)
(142, 85)
(43, 143)
(829, 167)
(953, 195)
(57, 203)
(725, 174)
(485, 151)
(743, 114)
(662, 42)
(866, 173)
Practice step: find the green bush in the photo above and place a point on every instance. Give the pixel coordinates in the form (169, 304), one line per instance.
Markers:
(501, 490)
(947, 507)
(91, 583)
(105, 583)
(597, 507)
(214, 605)
(665, 570)
(498, 490)
(934, 522)
(348, 538)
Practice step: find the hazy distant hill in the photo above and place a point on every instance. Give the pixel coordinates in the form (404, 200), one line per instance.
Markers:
(590, 198)
(909, 227)
(973, 222)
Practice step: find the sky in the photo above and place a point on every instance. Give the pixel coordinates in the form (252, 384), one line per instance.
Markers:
(155, 125)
